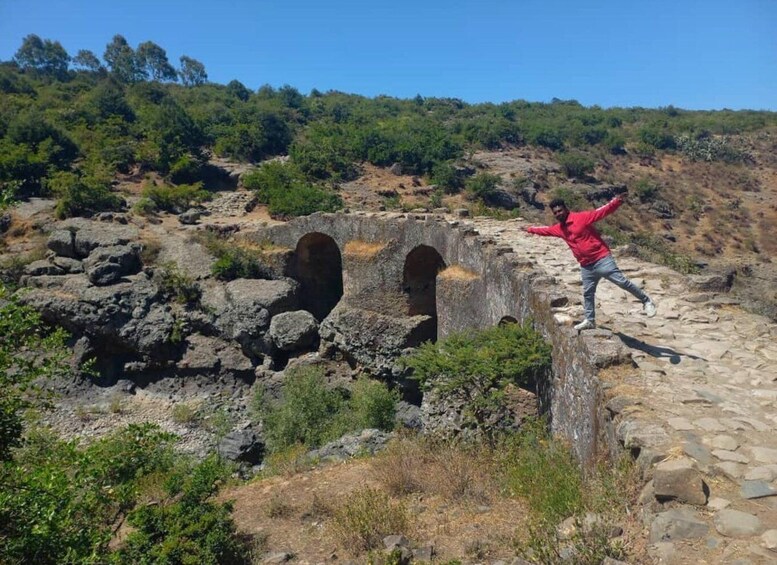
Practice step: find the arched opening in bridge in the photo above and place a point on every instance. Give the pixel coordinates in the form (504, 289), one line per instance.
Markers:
(318, 267)
(419, 283)
(507, 320)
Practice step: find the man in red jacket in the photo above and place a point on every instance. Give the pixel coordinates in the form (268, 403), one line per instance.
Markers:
(596, 262)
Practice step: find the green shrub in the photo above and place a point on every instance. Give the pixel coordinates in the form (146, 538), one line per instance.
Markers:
(175, 199)
(646, 189)
(58, 501)
(287, 193)
(305, 414)
(82, 195)
(176, 285)
(233, 259)
(22, 332)
(371, 405)
(311, 413)
(446, 176)
(482, 185)
(576, 165)
(480, 365)
(187, 528)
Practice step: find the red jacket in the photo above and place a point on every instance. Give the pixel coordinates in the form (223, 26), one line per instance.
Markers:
(579, 233)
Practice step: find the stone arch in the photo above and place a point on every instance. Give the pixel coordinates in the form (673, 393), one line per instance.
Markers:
(318, 266)
(507, 320)
(419, 283)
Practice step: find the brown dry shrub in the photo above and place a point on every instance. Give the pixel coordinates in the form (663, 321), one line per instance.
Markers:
(365, 517)
(452, 471)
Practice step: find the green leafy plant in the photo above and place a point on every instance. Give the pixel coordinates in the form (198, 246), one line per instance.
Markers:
(287, 193)
(480, 365)
(187, 527)
(28, 351)
(82, 195)
(310, 412)
(174, 198)
(177, 285)
(482, 185)
(575, 164)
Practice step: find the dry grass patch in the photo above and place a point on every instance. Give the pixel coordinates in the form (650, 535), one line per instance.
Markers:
(437, 468)
(365, 517)
(363, 249)
(457, 272)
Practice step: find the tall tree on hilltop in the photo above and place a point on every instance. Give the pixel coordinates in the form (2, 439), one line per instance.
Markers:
(88, 61)
(43, 55)
(153, 59)
(192, 72)
(123, 61)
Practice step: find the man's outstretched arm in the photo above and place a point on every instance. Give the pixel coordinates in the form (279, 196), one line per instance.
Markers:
(593, 216)
(545, 230)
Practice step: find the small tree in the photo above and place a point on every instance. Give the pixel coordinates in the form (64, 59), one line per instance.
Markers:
(43, 55)
(123, 61)
(192, 72)
(27, 352)
(153, 59)
(87, 61)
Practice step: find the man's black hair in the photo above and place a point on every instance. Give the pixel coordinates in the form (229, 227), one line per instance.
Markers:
(557, 202)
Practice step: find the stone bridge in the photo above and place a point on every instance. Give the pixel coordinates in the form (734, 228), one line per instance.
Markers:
(690, 394)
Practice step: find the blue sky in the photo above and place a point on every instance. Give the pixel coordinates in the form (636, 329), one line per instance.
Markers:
(695, 54)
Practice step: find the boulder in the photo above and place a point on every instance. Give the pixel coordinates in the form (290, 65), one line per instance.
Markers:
(242, 446)
(367, 441)
(501, 198)
(678, 480)
(106, 265)
(190, 217)
(90, 236)
(62, 242)
(42, 267)
(69, 265)
(275, 296)
(373, 339)
(292, 331)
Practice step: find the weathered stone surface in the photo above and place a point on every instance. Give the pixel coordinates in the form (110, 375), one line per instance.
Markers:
(675, 524)
(733, 523)
(679, 480)
(69, 265)
(408, 415)
(373, 339)
(291, 331)
(367, 441)
(91, 235)
(766, 455)
(214, 356)
(106, 265)
(190, 217)
(42, 267)
(756, 489)
(727, 443)
(242, 446)
(274, 296)
(62, 242)
(769, 539)
(764, 473)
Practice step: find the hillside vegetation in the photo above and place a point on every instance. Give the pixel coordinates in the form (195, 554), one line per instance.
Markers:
(703, 182)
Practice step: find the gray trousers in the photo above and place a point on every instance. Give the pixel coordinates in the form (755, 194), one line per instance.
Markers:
(605, 268)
